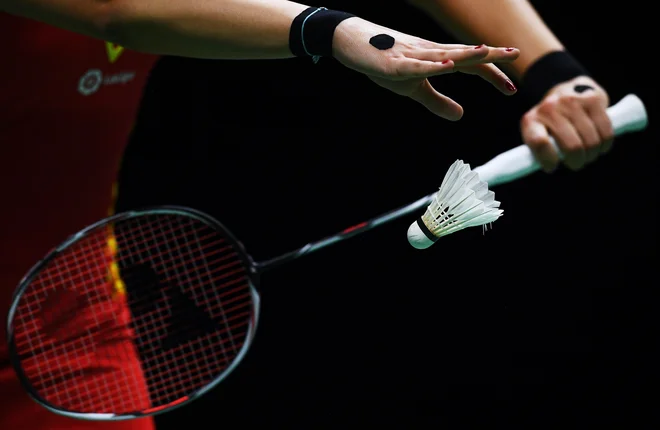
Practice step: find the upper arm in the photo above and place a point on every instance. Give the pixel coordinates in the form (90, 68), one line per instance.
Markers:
(88, 17)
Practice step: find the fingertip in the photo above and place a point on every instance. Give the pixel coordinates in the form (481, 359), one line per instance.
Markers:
(503, 89)
(547, 160)
(573, 166)
(455, 114)
(511, 53)
(510, 87)
(447, 64)
(438, 104)
(438, 68)
(458, 112)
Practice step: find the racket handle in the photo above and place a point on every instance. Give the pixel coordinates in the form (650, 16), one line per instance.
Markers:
(627, 116)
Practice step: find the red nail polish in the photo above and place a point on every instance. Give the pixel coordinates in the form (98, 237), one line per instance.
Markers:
(445, 62)
(510, 86)
(509, 49)
(479, 47)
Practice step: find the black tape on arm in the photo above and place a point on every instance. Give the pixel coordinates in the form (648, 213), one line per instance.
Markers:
(548, 71)
(312, 32)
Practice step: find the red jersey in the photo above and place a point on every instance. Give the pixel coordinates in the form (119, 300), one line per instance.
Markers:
(67, 105)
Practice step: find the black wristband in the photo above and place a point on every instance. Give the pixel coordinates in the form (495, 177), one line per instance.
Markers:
(548, 71)
(312, 32)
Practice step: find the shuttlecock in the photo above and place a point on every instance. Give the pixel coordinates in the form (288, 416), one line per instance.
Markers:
(462, 201)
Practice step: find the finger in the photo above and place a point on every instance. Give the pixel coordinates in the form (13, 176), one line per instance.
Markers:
(587, 131)
(446, 46)
(536, 137)
(566, 137)
(437, 103)
(411, 68)
(486, 55)
(454, 46)
(464, 55)
(598, 114)
(467, 56)
(492, 74)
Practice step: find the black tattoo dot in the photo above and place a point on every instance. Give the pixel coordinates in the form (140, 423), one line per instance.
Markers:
(582, 88)
(382, 41)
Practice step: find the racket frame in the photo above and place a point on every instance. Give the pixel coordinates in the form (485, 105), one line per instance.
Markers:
(253, 282)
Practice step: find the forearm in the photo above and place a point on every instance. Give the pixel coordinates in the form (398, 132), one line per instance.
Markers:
(498, 23)
(214, 29)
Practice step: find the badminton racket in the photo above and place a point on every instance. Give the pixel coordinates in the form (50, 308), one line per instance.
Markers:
(147, 310)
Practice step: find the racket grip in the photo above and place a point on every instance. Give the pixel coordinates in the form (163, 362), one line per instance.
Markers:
(627, 116)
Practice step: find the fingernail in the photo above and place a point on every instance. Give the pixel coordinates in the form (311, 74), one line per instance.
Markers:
(509, 49)
(480, 46)
(510, 86)
(445, 62)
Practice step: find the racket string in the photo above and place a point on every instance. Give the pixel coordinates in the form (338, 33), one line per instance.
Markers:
(189, 262)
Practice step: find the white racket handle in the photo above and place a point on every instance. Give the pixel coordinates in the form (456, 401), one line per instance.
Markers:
(627, 116)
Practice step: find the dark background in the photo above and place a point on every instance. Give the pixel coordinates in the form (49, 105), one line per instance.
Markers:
(547, 318)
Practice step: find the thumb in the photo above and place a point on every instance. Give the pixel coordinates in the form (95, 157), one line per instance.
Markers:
(537, 138)
(437, 103)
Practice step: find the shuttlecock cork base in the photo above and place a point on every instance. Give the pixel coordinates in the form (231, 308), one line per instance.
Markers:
(419, 235)
(462, 201)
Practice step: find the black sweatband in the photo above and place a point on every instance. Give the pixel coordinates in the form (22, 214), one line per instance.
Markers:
(548, 71)
(312, 32)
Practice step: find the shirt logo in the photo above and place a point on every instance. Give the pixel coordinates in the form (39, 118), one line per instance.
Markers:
(90, 82)
(93, 79)
(113, 51)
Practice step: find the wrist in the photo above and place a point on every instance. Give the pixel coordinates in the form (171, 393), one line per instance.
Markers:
(549, 71)
(312, 32)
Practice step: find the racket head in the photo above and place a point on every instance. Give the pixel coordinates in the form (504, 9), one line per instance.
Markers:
(135, 315)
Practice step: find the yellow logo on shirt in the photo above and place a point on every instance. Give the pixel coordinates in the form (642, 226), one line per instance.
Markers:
(113, 51)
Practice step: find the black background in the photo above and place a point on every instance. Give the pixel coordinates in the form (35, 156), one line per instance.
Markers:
(545, 319)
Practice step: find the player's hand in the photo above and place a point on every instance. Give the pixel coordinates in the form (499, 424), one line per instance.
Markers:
(575, 114)
(402, 63)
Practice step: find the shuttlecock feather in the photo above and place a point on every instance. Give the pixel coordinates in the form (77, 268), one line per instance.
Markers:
(463, 201)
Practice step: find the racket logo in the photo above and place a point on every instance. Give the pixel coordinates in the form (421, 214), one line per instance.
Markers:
(157, 304)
